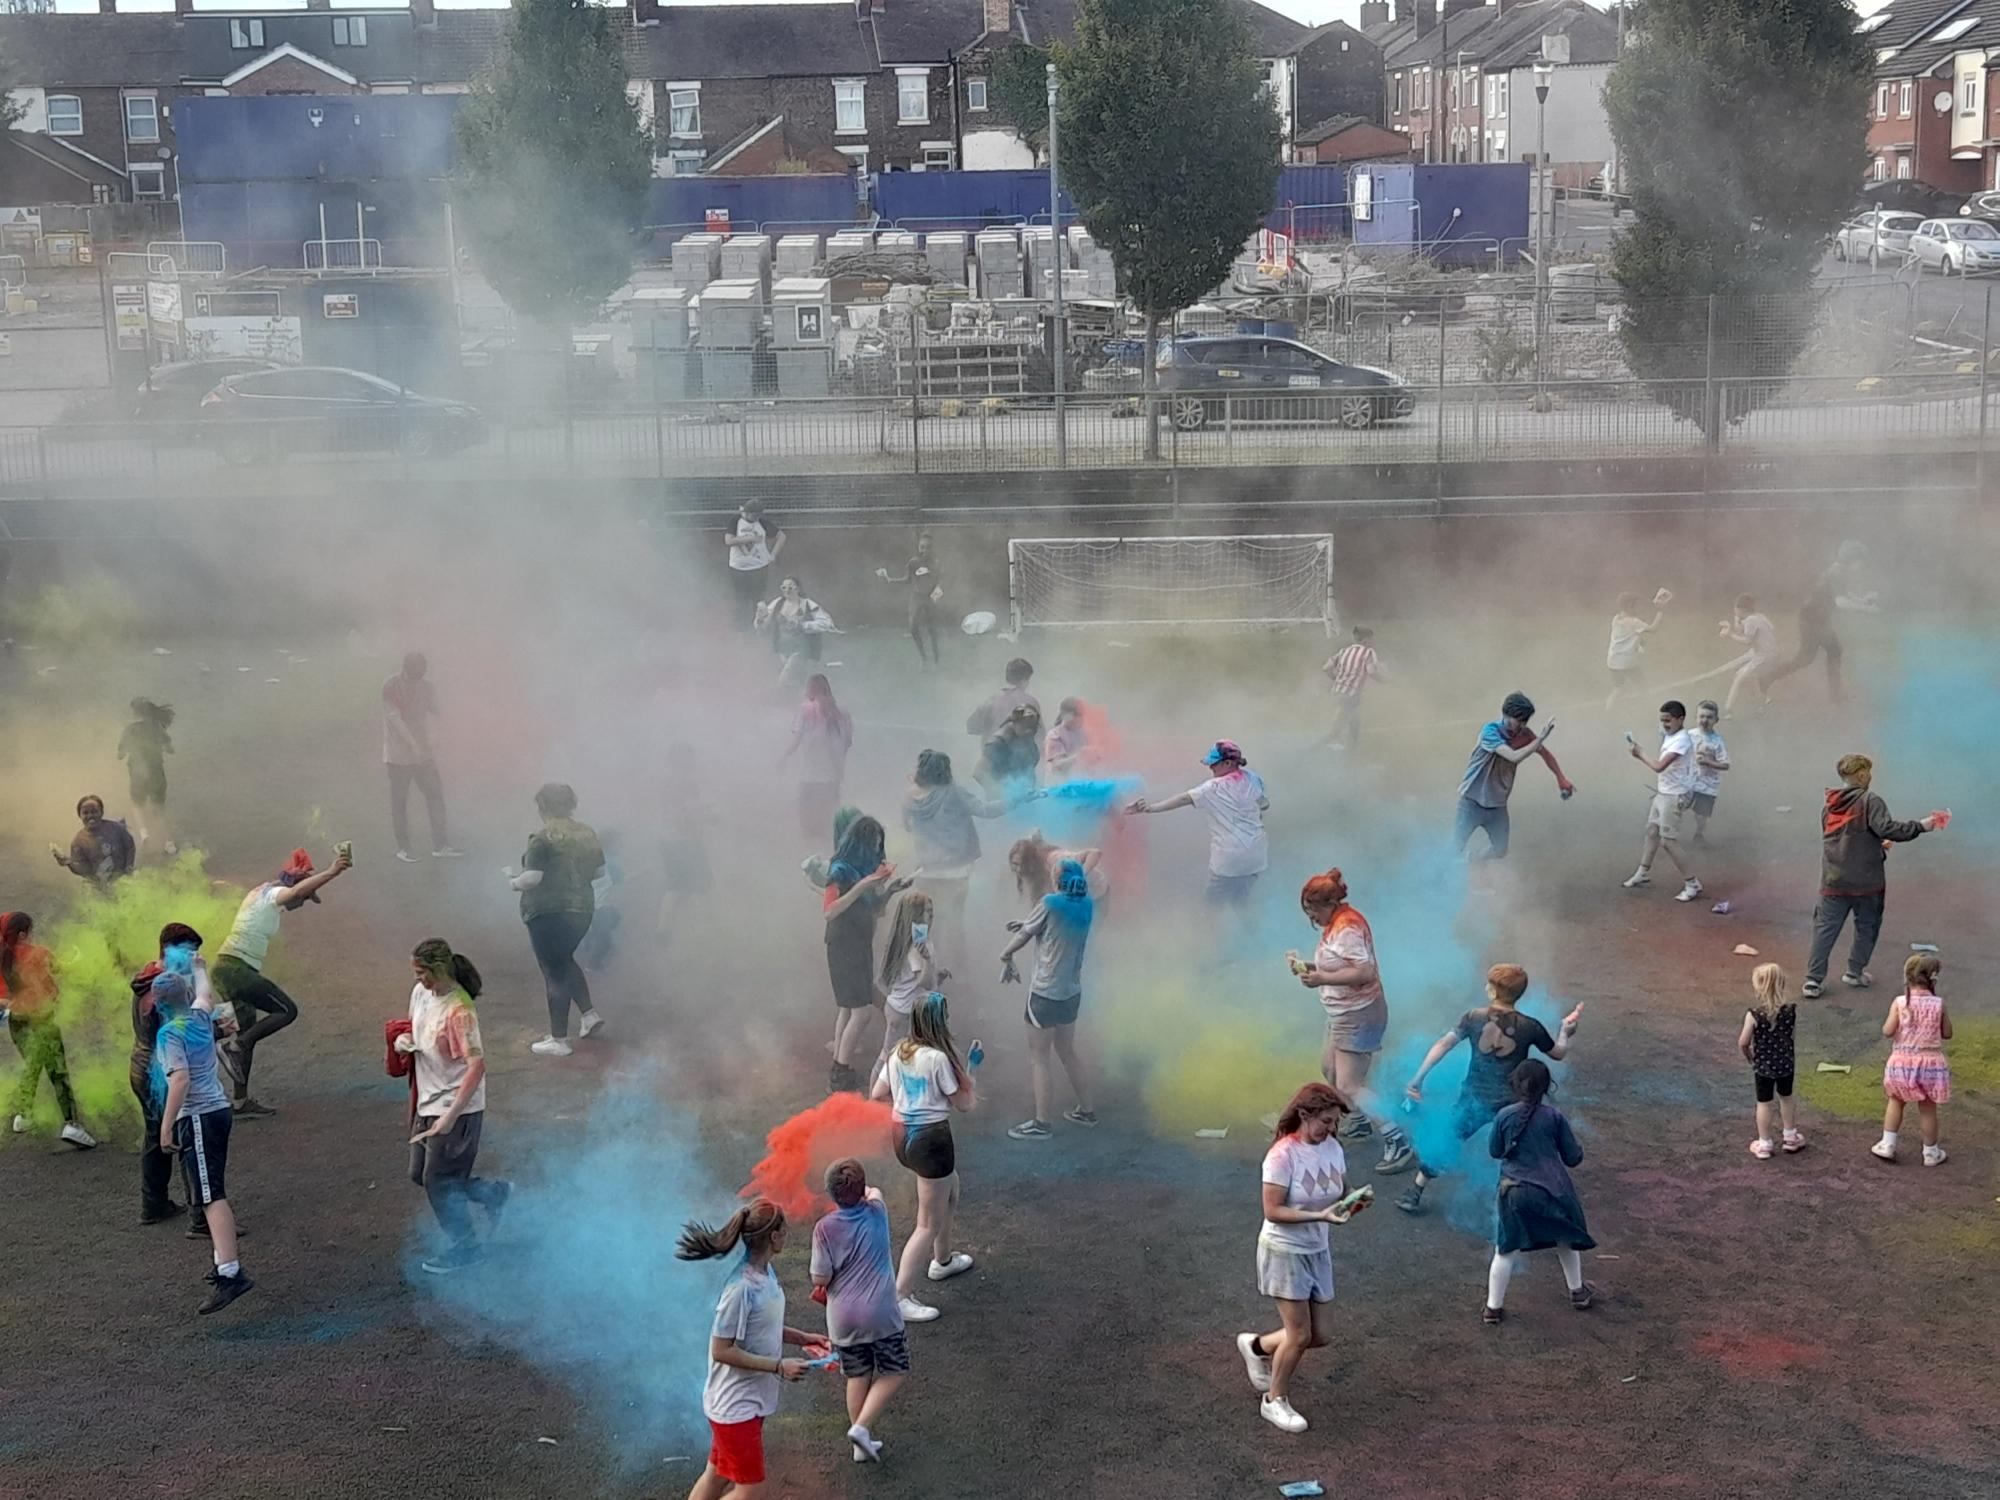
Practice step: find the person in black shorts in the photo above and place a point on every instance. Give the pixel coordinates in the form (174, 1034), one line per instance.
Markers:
(925, 1081)
(1834, 590)
(1501, 1038)
(1766, 1044)
(194, 1121)
(925, 580)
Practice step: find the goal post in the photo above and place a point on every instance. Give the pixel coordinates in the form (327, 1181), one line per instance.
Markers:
(1088, 582)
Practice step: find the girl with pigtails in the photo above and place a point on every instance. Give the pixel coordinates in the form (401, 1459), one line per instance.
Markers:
(745, 1348)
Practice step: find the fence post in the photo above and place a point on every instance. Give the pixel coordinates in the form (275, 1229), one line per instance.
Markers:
(1439, 475)
(1985, 365)
(1710, 412)
(1229, 427)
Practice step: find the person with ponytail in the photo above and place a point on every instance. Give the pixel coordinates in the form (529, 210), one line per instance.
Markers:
(925, 1081)
(443, 1044)
(859, 883)
(28, 984)
(1344, 971)
(1059, 927)
(1538, 1207)
(822, 734)
(745, 1348)
(1304, 1180)
(909, 972)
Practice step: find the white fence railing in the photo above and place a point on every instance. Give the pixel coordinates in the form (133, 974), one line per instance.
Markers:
(193, 257)
(341, 255)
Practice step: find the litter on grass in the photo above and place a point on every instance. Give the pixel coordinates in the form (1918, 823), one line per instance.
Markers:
(552, 1442)
(1745, 950)
(1214, 1135)
(1784, 809)
(1923, 947)
(1827, 1067)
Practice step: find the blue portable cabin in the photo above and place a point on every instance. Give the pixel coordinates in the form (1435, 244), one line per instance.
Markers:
(1457, 214)
(924, 201)
(783, 204)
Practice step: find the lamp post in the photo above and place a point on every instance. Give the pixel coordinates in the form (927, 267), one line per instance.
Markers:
(1059, 342)
(1544, 72)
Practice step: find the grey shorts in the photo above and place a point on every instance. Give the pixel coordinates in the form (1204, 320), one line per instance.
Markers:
(884, 1356)
(1703, 805)
(1294, 1277)
(1358, 1030)
(1666, 813)
(1230, 890)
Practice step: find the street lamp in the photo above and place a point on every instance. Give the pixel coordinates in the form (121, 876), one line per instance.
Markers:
(1544, 72)
(1056, 262)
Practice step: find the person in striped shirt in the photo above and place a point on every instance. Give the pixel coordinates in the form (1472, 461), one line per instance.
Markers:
(1351, 668)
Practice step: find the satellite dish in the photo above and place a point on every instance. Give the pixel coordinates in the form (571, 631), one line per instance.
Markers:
(1941, 101)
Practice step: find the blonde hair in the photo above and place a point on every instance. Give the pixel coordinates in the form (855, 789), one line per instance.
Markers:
(1920, 971)
(914, 907)
(1855, 768)
(1772, 985)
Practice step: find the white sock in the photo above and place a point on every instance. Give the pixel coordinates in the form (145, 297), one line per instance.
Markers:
(1889, 1139)
(230, 1268)
(1572, 1264)
(1497, 1276)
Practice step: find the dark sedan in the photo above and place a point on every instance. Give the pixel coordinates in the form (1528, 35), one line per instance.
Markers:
(172, 392)
(1273, 380)
(269, 412)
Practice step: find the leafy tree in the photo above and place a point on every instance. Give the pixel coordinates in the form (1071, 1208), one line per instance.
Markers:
(11, 108)
(1017, 88)
(1741, 216)
(1168, 147)
(553, 164)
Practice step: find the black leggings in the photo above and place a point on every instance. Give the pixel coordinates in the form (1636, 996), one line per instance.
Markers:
(1767, 1087)
(250, 995)
(923, 622)
(554, 937)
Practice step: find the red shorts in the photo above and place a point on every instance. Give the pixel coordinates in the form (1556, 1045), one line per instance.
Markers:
(736, 1450)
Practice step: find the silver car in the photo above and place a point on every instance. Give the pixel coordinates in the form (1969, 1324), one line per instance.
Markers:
(1880, 235)
(1961, 245)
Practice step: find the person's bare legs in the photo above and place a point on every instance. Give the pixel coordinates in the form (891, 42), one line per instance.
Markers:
(878, 1391)
(848, 1032)
(1788, 1116)
(941, 1222)
(222, 1230)
(1652, 848)
(918, 1248)
(1927, 1122)
(1040, 1043)
(712, 1486)
(1672, 849)
(1287, 1345)
(857, 1395)
(1765, 1109)
(1892, 1117)
(1064, 1040)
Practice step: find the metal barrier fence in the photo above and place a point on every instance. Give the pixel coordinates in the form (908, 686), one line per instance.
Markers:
(193, 257)
(341, 255)
(1453, 423)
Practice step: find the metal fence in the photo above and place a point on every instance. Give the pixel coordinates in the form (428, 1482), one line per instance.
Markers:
(1449, 424)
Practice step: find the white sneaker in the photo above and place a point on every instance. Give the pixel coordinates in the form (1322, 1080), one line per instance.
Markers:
(592, 1024)
(1884, 1150)
(1689, 891)
(1257, 1366)
(914, 1311)
(1278, 1412)
(958, 1265)
(83, 1140)
(550, 1046)
(866, 1449)
(20, 1124)
(1638, 878)
(406, 857)
(1934, 1156)
(447, 852)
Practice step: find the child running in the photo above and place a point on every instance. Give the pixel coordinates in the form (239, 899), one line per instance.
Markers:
(1711, 759)
(1305, 1175)
(443, 1044)
(194, 1120)
(1233, 798)
(1673, 798)
(1059, 927)
(144, 747)
(1766, 1044)
(1351, 670)
(745, 1348)
(1917, 1073)
(925, 1081)
(1501, 1038)
(909, 972)
(1628, 644)
(1538, 1207)
(1747, 627)
(854, 1273)
(1488, 782)
(28, 984)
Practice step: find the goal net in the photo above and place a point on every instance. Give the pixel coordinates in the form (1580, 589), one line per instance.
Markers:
(1171, 580)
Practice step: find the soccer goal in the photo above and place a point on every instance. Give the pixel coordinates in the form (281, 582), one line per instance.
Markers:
(1090, 582)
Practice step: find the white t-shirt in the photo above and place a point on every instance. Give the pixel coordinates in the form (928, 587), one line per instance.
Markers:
(1347, 942)
(1236, 841)
(1679, 777)
(1313, 1177)
(751, 1312)
(1627, 632)
(758, 554)
(446, 1031)
(255, 925)
(1707, 780)
(920, 1090)
(909, 986)
(1762, 637)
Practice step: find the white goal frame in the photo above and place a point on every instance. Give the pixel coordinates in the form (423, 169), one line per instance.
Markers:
(1327, 617)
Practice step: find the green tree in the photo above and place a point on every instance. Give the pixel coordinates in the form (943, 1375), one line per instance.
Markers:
(10, 78)
(1740, 216)
(1018, 89)
(553, 165)
(1168, 146)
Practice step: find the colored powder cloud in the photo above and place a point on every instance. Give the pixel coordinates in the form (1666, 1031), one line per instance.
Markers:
(798, 1152)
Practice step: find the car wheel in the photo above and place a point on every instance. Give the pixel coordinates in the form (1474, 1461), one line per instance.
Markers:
(242, 448)
(1189, 413)
(1357, 412)
(418, 441)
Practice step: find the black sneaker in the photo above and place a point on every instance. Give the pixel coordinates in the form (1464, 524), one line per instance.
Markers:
(1412, 1199)
(502, 1191)
(250, 1109)
(1356, 1128)
(160, 1215)
(457, 1258)
(225, 1290)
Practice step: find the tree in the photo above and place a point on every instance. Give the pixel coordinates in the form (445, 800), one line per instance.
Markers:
(1018, 88)
(553, 165)
(1168, 146)
(1721, 212)
(11, 107)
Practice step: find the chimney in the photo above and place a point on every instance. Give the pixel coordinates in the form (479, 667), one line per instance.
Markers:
(1000, 17)
(183, 8)
(1374, 13)
(645, 12)
(1506, 5)
(1453, 7)
(1427, 16)
(423, 14)
(319, 4)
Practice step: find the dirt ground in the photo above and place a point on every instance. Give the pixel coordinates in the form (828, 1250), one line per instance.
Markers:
(1808, 1326)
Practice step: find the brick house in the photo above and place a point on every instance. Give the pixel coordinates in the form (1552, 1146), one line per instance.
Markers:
(322, 51)
(1347, 138)
(99, 91)
(1928, 118)
(1336, 72)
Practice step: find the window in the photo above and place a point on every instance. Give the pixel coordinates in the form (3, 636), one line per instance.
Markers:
(686, 163)
(142, 118)
(245, 32)
(1881, 169)
(913, 98)
(1455, 87)
(1968, 94)
(684, 111)
(350, 31)
(1472, 88)
(1881, 101)
(849, 114)
(1399, 93)
(65, 114)
(1903, 97)
(975, 94)
(938, 159)
(1499, 152)
(1902, 167)
(1496, 102)
(148, 182)
(1955, 30)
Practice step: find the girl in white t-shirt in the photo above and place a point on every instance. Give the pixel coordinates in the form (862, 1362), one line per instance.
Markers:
(1628, 644)
(925, 1080)
(1305, 1174)
(909, 972)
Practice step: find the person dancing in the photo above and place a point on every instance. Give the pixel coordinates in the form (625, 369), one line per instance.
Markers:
(925, 1082)
(558, 901)
(1349, 981)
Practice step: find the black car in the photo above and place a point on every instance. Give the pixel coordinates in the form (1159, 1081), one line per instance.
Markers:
(1273, 380)
(249, 417)
(1981, 206)
(172, 392)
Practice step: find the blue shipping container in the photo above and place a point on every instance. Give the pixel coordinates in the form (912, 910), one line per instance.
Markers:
(964, 200)
(825, 201)
(1311, 204)
(309, 138)
(1461, 214)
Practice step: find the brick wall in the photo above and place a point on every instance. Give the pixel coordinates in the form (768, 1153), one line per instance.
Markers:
(732, 106)
(290, 76)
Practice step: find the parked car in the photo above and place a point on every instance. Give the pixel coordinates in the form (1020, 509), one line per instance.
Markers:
(1288, 380)
(1981, 206)
(312, 407)
(172, 392)
(1877, 236)
(1911, 196)
(1961, 245)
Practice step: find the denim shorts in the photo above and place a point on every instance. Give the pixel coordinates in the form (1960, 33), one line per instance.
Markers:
(1294, 1276)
